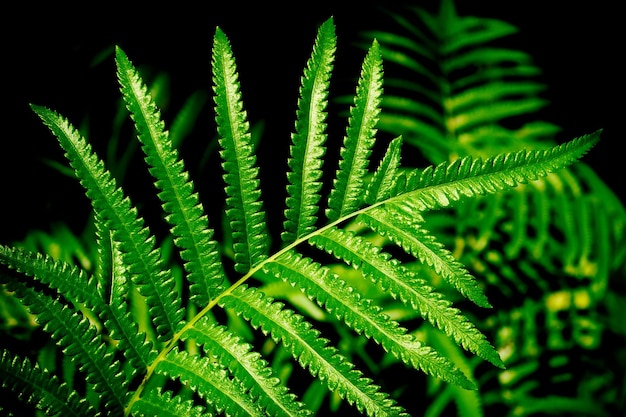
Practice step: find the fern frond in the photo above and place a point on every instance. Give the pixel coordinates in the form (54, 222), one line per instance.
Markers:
(79, 339)
(143, 260)
(416, 293)
(438, 187)
(332, 293)
(348, 186)
(181, 204)
(36, 385)
(414, 239)
(247, 367)
(211, 381)
(308, 140)
(312, 351)
(245, 209)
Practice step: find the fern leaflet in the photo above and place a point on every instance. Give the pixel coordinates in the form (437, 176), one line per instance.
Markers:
(308, 141)
(182, 206)
(412, 237)
(246, 366)
(247, 219)
(348, 187)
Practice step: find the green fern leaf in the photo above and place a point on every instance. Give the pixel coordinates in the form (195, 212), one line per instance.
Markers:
(332, 293)
(416, 293)
(411, 236)
(247, 219)
(211, 382)
(37, 386)
(348, 187)
(312, 351)
(143, 260)
(123, 330)
(67, 279)
(182, 206)
(308, 141)
(247, 366)
(438, 187)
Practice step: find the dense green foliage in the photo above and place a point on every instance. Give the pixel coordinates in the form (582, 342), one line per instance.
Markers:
(396, 268)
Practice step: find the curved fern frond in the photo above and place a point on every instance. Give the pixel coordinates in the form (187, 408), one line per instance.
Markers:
(37, 386)
(349, 185)
(181, 204)
(439, 186)
(247, 367)
(312, 351)
(414, 239)
(245, 209)
(211, 382)
(416, 293)
(133, 333)
(142, 259)
(332, 293)
(308, 140)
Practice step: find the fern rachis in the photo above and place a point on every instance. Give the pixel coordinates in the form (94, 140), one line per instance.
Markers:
(132, 371)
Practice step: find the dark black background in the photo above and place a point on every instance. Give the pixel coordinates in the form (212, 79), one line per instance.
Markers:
(49, 59)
